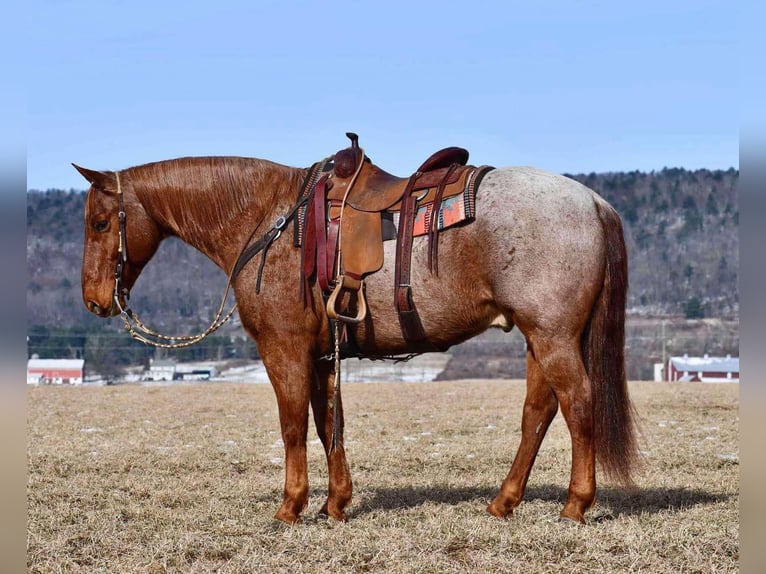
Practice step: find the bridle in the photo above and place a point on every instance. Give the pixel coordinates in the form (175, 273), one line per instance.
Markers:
(130, 319)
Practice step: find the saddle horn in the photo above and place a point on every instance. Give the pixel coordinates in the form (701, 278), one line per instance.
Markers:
(347, 160)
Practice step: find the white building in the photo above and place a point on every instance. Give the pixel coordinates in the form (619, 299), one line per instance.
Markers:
(160, 370)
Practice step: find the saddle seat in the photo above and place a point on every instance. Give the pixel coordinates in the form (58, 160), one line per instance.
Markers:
(374, 189)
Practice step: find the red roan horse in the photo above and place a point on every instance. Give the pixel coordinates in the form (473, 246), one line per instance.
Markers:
(544, 253)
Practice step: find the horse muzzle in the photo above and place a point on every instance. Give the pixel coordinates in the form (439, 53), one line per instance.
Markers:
(100, 311)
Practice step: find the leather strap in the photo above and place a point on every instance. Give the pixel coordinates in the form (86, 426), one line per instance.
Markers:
(333, 228)
(308, 251)
(320, 228)
(409, 320)
(433, 231)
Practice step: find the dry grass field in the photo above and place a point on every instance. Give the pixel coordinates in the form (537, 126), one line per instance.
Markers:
(187, 478)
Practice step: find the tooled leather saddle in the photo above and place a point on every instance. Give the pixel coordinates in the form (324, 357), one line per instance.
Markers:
(351, 210)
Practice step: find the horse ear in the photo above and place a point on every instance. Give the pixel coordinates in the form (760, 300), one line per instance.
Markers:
(97, 179)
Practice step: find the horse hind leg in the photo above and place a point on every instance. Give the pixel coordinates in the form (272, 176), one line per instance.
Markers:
(339, 488)
(562, 367)
(540, 407)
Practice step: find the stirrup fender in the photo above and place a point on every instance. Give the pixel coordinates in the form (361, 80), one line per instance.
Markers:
(348, 284)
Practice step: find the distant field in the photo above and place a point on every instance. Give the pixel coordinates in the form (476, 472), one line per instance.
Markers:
(187, 478)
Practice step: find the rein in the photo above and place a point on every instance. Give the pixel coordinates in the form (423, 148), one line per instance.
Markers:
(130, 319)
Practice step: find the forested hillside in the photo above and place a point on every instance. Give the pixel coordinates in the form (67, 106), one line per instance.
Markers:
(681, 229)
(682, 232)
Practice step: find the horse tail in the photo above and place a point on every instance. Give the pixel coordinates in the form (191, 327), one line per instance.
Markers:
(603, 346)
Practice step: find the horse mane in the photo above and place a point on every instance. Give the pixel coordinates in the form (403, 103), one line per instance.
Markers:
(199, 195)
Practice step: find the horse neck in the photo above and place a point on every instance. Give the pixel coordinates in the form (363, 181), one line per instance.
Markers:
(215, 204)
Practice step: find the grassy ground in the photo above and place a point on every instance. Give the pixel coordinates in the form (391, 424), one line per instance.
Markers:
(187, 479)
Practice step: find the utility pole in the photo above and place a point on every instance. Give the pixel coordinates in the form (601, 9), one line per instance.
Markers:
(664, 355)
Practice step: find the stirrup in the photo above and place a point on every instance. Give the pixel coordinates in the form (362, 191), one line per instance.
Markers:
(347, 283)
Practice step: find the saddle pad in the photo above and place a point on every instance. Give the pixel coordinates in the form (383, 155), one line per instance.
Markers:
(453, 210)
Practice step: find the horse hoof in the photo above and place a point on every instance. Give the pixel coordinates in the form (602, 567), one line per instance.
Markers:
(499, 511)
(568, 518)
(338, 515)
(287, 518)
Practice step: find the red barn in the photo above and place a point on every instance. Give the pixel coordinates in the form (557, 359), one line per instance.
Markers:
(55, 371)
(704, 369)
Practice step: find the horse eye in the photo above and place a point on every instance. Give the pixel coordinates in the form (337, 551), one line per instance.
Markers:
(101, 225)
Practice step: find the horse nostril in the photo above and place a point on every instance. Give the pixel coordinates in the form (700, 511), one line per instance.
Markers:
(94, 307)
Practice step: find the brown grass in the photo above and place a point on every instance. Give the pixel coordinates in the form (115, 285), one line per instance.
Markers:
(187, 479)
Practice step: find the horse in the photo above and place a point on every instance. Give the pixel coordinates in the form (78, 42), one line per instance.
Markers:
(544, 254)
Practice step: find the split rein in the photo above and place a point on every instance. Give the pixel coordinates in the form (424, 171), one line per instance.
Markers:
(144, 334)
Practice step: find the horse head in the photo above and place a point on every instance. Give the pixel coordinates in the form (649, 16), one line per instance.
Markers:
(115, 252)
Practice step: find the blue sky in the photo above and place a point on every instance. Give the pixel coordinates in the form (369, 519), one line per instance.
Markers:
(566, 86)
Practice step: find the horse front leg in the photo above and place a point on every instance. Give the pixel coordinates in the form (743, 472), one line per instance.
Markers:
(540, 407)
(322, 394)
(291, 376)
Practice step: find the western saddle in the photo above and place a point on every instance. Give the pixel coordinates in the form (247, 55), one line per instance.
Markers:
(350, 212)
